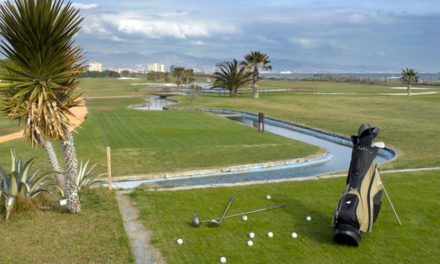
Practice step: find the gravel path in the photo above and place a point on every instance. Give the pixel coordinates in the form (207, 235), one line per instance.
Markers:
(140, 238)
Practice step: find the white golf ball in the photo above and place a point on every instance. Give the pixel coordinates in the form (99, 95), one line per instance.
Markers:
(180, 241)
(308, 218)
(268, 197)
(251, 235)
(223, 260)
(294, 235)
(270, 234)
(244, 217)
(250, 243)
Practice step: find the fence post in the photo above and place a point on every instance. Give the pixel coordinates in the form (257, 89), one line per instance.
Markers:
(109, 168)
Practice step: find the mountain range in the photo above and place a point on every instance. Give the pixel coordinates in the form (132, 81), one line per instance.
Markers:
(139, 61)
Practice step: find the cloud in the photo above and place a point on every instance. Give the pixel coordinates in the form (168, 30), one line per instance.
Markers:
(155, 27)
(306, 43)
(84, 6)
(197, 43)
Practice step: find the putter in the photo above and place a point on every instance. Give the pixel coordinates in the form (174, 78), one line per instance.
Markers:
(196, 222)
(214, 222)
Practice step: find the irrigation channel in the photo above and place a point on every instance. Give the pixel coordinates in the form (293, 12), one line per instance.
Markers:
(338, 157)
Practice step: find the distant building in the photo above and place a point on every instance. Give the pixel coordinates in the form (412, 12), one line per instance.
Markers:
(156, 67)
(95, 66)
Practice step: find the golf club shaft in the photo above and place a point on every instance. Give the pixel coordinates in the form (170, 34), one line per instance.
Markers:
(389, 200)
(227, 207)
(250, 212)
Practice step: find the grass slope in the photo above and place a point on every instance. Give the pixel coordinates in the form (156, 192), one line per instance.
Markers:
(168, 214)
(96, 235)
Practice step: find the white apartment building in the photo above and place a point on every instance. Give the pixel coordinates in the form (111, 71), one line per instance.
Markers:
(95, 66)
(155, 67)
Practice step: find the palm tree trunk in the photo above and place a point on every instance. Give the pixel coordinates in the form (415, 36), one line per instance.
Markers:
(52, 156)
(255, 83)
(409, 89)
(71, 164)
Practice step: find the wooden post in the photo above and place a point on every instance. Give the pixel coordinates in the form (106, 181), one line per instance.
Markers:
(109, 168)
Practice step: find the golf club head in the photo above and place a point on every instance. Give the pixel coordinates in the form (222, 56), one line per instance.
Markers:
(195, 221)
(380, 145)
(214, 223)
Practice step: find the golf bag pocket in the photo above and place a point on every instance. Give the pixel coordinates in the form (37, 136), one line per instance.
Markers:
(346, 212)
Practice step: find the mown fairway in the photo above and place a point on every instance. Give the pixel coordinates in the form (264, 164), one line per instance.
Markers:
(169, 213)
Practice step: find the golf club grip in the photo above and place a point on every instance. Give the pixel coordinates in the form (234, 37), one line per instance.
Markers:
(256, 211)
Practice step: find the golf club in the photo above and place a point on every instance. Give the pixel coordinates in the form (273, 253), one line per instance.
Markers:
(217, 223)
(382, 145)
(196, 222)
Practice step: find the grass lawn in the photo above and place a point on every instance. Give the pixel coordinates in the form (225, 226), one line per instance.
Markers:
(96, 235)
(410, 124)
(160, 141)
(8, 126)
(169, 213)
(166, 141)
(329, 87)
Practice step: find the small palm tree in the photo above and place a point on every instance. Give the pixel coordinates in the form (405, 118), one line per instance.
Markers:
(40, 75)
(231, 77)
(409, 76)
(253, 61)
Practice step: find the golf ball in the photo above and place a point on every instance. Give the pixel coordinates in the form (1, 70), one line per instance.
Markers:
(244, 217)
(250, 243)
(180, 241)
(294, 235)
(268, 197)
(251, 235)
(270, 234)
(223, 260)
(308, 218)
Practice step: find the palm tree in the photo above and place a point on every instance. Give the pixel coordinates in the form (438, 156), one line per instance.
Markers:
(230, 77)
(253, 61)
(40, 76)
(409, 76)
(178, 73)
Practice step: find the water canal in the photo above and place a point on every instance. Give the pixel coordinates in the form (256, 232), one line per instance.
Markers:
(338, 158)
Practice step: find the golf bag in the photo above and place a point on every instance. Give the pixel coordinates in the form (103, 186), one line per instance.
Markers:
(360, 203)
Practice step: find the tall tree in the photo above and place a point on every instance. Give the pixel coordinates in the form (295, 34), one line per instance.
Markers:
(40, 77)
(253, 61)
(409, 76)
(229, 76)
(188, 76)
(178, 74)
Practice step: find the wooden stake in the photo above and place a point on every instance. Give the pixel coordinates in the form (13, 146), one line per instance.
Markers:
(109, 168)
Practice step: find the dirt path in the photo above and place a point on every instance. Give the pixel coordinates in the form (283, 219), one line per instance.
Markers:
(140, 238)
(80, 113)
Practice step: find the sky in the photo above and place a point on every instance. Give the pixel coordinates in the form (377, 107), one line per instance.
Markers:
(401, 33)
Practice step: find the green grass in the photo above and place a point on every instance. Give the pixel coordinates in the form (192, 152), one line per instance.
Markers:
(8, 126)
(96, 235)
(169, 213)
(409, 124)
(328, 87)
(165, 141)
